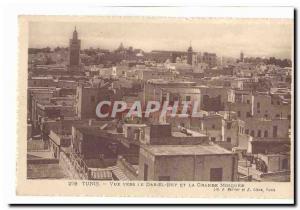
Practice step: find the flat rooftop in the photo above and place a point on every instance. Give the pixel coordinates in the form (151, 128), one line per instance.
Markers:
(135, 125)
(193, 134)
(41, 77)
(45, 171)
(170, 150)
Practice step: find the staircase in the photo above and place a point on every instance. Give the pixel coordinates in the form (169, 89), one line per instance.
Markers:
(118, 173)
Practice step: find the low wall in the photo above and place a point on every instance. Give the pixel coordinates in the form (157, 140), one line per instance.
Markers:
(42, 161)
(281, 176)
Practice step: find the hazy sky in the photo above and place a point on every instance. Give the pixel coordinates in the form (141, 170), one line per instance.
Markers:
(226, 37)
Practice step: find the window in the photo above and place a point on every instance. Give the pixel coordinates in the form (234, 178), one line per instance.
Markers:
(275, 128)
(248, 114)
(239, 113)
(228, 139)
(188, 98)
(241, 129)
(164, 178)
(266, 133)
(213, 139)
(216, 174)
(229, 125)
(213, 126)
(259, 133)
(247, 131)
(258, 105)
(248, 101)
(252, 133)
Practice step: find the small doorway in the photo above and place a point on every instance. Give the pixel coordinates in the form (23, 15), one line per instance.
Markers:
(145, 172)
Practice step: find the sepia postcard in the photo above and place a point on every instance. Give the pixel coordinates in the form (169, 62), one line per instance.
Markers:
(164, 107)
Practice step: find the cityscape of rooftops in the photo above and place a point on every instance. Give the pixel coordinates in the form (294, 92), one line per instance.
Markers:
(237, 74)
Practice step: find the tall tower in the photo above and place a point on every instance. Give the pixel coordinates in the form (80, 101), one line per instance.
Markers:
(190, 55)
(74, 52)
(242, 57)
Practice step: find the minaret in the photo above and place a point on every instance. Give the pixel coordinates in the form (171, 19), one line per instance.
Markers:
(121, 47)
(75, 34)
(190, 54)
(242, 57)
(74, 52)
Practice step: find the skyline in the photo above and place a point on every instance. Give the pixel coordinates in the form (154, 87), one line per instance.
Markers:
(225, 37)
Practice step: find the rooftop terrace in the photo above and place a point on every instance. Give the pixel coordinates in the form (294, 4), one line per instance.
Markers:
(169, 150)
